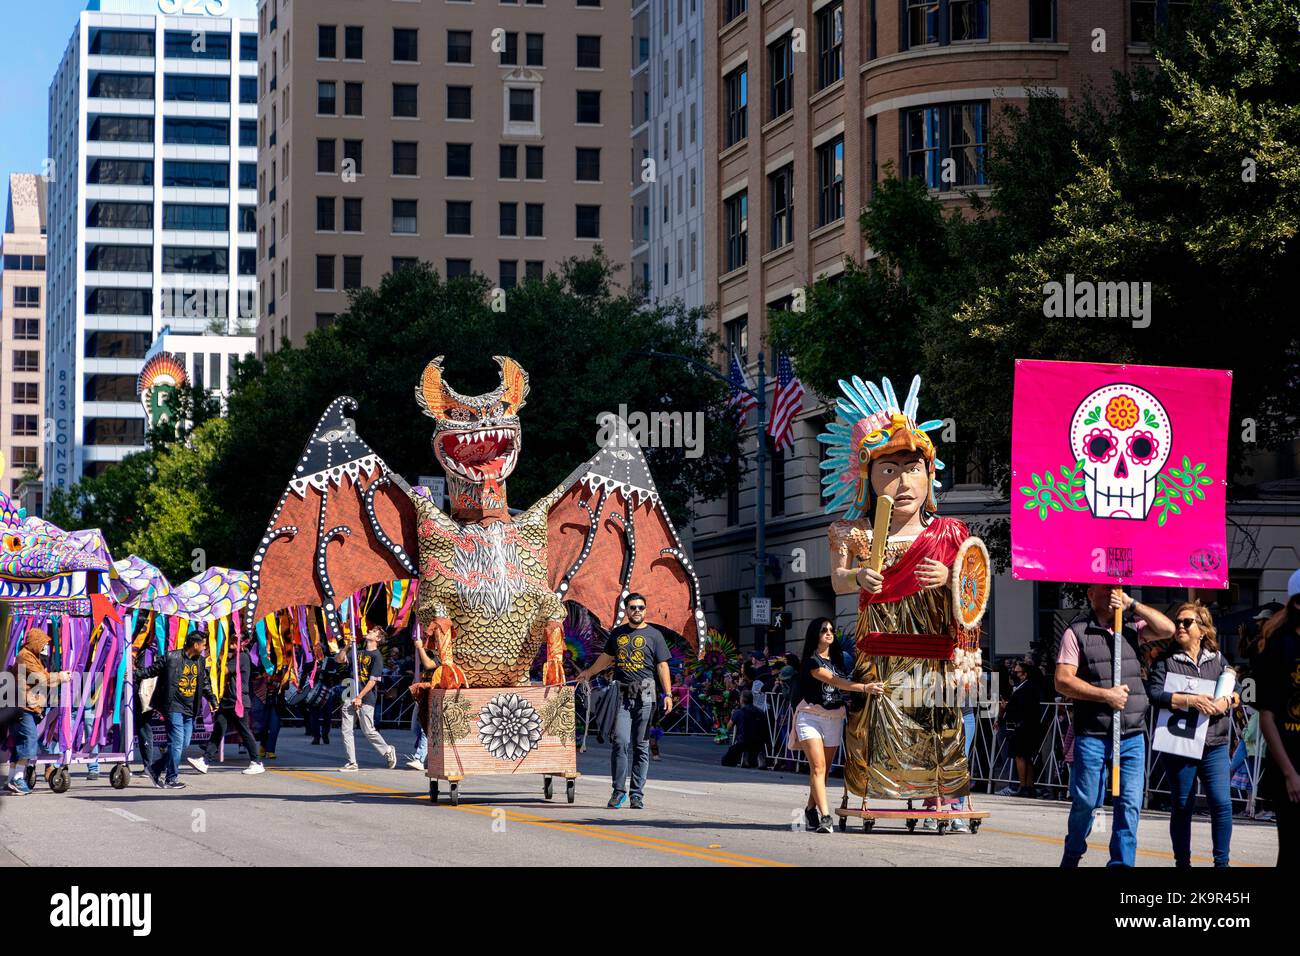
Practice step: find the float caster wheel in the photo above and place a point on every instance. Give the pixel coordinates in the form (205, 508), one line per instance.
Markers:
(454, 797)
(29, 774)
(867, 825)
(548, 787)
(943, 827)
(60, 780)
(433, 791)
(911, 826)
(975, 826)
(843, 824)
(119, 777)
(570, 790)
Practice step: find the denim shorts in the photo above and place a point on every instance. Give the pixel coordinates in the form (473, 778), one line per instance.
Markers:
(28, 748)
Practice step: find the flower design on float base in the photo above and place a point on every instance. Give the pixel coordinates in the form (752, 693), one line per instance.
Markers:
(509, 727)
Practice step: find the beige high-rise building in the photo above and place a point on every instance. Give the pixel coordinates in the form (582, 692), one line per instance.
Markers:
(22, 327)
(480, 136)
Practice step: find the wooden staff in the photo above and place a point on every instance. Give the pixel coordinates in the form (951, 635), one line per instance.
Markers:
(880, 533)
(1116, 717)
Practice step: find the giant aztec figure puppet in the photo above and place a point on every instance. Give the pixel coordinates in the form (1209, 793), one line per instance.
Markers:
(919, 634)
(491, 583)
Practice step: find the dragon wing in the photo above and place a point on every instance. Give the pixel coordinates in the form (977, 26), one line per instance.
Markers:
(344, 523)
(608, 535)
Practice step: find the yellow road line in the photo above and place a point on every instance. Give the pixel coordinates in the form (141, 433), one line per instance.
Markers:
(1105, 847)
(580, 829)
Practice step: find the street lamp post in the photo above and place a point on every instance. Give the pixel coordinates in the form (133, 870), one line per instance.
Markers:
(759, 395)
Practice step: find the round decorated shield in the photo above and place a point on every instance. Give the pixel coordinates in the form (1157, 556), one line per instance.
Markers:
(970, 593)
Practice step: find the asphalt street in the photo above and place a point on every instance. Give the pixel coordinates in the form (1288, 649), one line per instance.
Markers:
(304, 812)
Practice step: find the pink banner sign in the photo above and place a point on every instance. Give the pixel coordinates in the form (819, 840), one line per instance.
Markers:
(1119, 473)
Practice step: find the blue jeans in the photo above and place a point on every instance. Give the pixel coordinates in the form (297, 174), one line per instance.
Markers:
(271, 732)
(88, 720)
(1213, 771)
(968, 724)
(1088, 786)
(631, 722)
(421, 751)
(180, 728)
(27, 748)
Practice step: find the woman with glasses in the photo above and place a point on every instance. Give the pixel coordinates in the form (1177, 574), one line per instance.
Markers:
(1195, 655)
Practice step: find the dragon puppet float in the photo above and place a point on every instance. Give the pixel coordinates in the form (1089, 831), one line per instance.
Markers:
(491, 582)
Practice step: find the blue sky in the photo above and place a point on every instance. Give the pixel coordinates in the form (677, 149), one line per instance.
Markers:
(31, 45)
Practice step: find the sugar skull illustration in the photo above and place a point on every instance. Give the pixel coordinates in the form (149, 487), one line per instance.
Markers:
(1122, 436)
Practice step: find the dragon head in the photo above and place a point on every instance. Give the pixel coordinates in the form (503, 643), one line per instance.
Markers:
(477, 437)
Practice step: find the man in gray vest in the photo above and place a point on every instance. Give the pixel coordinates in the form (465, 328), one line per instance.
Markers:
(1085, 675)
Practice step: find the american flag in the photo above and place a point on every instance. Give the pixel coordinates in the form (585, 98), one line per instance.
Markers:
(787, 401)
(741, 401)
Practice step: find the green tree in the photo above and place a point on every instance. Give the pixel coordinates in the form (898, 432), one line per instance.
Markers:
(109, 502)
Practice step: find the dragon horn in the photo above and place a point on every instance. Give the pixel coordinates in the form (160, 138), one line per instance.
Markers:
(514, 381)
(431, 393)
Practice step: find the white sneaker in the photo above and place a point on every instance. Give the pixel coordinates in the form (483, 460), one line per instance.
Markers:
(960, 825)
(929, 823)
(391, 757)
(414, 764)
(348, 768)
(254, 767)
(198, 763)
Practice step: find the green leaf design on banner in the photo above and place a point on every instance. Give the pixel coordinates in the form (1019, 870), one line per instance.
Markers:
(1049, 494)
(1179, 484)
(1093, 416)
(1151, 420)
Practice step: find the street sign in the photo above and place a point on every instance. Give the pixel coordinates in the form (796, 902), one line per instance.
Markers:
(761, 611)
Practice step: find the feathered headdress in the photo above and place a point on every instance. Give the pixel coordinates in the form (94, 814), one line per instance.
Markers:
(871, 423)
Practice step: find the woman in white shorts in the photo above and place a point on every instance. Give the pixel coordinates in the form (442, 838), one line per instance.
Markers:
(818, 719)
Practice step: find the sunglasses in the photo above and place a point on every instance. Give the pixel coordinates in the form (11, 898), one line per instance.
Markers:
(636, 607)
(1185, 623)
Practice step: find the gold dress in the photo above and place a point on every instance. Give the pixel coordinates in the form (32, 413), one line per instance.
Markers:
(907, 742)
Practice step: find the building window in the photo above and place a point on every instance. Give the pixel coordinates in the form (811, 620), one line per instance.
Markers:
(403, 262)
(781, 203)
(27, 330)
(406, 45)
(325, 273)
(458, 268)
(508, 270)
(736, 217)
(1146, 17)
(458, 102)
(730, 10)
(325, 319)
(736, 333)
(352, 154)
(521, 104)
(589, 52)
(121, 129)
(830, 44)
(198, 218)
(119, 215)
(326, 98)
(122, 86)
(119, 258)
(352, 43)
(458, 218)
(1042, 19)
(587, 222)
(324, 213)
(830, 181)
(780, 66)
(952, 132)
(120, 172)
(534, 270)
(736, 104)
(458, 46)
(352, 272)
(588, 165)
(27, 361)
(404, 218)
(533, 226)
(533, 168)
(510, 53)
(940, 22)
(508, 162)
(352, 99)
(405, 158)
(458, 159)
(534, 54)
(406, 99)
(327, 42)
(187, 45)
(588, 106)
(25, 425)
(352, 215)
(27, 296)
(122, 43)
(508, 219)
(325, 156)
(182, 88)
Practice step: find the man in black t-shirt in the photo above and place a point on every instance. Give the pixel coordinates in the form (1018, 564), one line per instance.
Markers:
(638, 653)
(361, 701)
